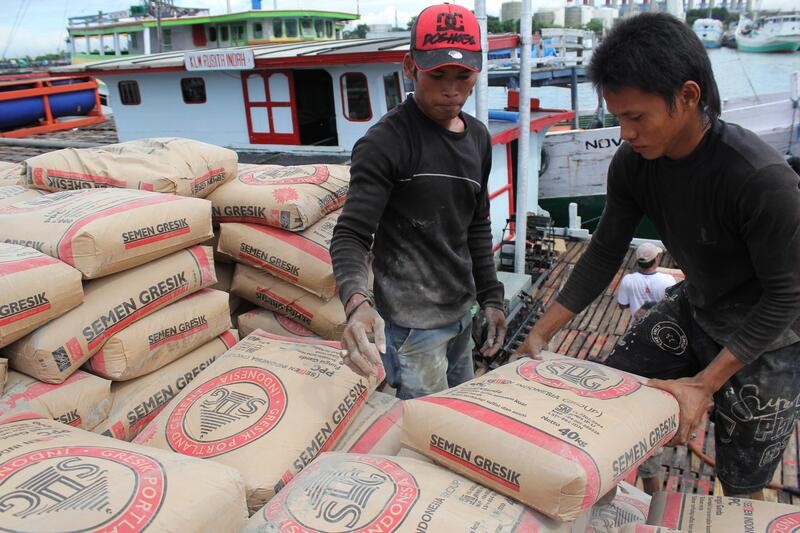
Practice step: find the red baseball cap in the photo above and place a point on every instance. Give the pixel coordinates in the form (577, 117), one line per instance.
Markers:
(446, 34)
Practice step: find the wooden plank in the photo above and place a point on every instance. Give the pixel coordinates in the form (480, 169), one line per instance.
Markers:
(577, 343)
(583, 353)
(597, 349)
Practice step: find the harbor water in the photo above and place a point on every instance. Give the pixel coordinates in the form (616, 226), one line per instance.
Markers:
(738, 74)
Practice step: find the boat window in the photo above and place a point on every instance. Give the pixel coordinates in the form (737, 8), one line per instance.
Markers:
(391, 87)
(133, 41)
(258, 31)
(194, 90)
(291, 27)
(319, 27)
(166, 39)
(329, 28)
(212, 34)
(308, 27)
(129, 92)
(277, 28)
(355, 97)
(223, 33)
(239, 32)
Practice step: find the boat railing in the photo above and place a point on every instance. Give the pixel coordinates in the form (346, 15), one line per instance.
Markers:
(558, 47)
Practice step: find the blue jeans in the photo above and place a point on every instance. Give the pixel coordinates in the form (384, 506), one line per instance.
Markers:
(419, 362)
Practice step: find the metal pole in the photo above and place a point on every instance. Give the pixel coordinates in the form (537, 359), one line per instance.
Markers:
(158, 25)
(523, 148)
(573, 90)
(482, 89)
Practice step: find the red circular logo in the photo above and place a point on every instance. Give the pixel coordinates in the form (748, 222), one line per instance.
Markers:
(345, 493)
(278, 175)
(788, 523)
(581, 377)
(227, 412)
(80, 488)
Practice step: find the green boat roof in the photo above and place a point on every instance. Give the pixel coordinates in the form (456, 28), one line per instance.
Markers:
(139, 25)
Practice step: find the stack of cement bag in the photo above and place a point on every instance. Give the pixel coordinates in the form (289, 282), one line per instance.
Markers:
(531, 446)
(267, 407)
(57, 478)
(148, 323)
(276, 223)
(11, 189)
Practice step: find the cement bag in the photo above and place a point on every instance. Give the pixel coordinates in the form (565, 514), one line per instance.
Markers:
(162, 337)
(219, 257)
(376, 428)
(11, 194)
(58, 479)
(167, 165)
(57, 349)
(267, 407)
(34, 289)
(10, 173)
(301, 258)
(272, 322)
(629, 506)
(326, 319)
(83, 400)
(103, 231)
(136, 402)
(356, 492)
(555, 434)
(718, 514)
(224, 276)
(292, 198)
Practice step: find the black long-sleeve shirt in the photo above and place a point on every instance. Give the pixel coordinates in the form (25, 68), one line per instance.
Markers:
(729, 213)
(420, 189)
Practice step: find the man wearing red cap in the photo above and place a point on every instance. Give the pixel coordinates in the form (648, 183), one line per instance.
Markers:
(418, 201)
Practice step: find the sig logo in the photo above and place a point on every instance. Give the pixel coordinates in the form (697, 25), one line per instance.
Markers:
(278, 175)
(80, 489)
(788, 523)
(227, 412)
(359, 493)
(581, 377)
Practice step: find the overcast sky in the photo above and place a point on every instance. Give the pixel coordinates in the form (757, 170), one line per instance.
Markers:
(42, 23)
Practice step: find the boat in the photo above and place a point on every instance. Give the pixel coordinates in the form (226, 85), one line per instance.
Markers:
(575, 162)
(709, 31)
(36, 102)
(163, 27)
(769, 32)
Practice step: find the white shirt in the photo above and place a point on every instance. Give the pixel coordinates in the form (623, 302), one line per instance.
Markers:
(637, 288)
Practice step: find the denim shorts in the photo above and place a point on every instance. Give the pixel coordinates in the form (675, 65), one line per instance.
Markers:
(419, 362)
(754, 412)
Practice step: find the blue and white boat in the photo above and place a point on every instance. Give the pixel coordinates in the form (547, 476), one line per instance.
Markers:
(709, 31)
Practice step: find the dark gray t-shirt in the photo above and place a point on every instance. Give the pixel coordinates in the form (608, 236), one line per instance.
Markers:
(421, 190)
(729, 213)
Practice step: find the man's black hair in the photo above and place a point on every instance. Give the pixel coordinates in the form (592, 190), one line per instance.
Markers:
(644, 265)
(655, 53)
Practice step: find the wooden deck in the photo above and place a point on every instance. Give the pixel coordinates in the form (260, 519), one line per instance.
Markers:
(592, 334)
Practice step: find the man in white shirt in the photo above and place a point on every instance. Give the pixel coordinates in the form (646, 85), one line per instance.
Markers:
(645, 286)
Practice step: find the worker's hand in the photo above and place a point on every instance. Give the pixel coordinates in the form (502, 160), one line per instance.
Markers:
(694, 399)
(531, 347)
(360, 354)
(497, 331)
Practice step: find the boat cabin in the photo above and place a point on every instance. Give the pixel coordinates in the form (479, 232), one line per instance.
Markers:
(137, 32)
